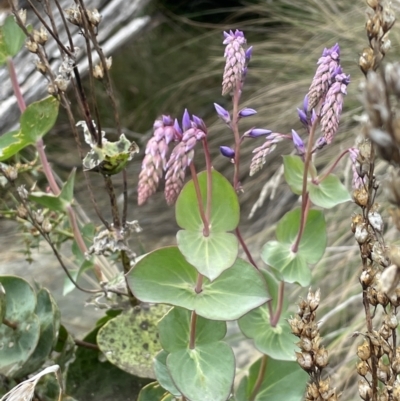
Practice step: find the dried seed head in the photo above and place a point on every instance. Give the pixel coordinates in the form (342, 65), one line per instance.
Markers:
(367, 60)
(22, 15)
(31, 46)
(41, 67)
(313, 299)
(22, 192)
(296, 325)
(38, 216)
(40, 36)
(361, 235)
(47, 226)
(305, 344)
(94, 17)
(22, 213)
(74, 16)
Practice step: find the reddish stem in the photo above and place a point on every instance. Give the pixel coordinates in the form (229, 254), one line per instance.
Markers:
(244, 246)
(206, 229)
(330, 169)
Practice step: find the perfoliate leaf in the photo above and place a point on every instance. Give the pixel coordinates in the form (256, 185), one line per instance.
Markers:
(164, 276)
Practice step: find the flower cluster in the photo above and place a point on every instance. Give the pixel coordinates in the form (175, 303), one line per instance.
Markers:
(236, 60)
(155, 162)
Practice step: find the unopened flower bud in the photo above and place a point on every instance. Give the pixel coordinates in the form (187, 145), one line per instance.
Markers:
(247, 112)
(227, 152)
(298, 143)
(256, 132)
(222, 113)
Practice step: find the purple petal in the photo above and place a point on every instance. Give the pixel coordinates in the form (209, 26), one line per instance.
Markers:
(247, 112)
(305, 103)
(256, 132)
(177, 127)
(298, 143)
(249, 53)
(167, 120)
(199, 123)
(186, 123)
(223, 114)
(227, 152)
(302, 116)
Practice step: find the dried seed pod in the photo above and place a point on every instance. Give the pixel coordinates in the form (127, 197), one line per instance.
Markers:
(305, 360)
(364, 390)
(364, 351)
(321, 358)
(362, 368)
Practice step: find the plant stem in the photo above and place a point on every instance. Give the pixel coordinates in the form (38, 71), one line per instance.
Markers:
(305, 202)
(209, 178)
(192, 341)
(10, 324)
(48, 172)
(275, 318)
(235, 129)
(85, 344)
(206, 230)
(260, 378)
(330, 169)
(245, 248)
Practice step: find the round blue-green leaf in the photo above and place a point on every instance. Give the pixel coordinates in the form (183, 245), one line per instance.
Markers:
(209, 255)
(287, 265)
(328, 193)
(205, 373)
(277, 342)
(282, 381)
(162, 373)
(18, 344)
(130, 340)
(225, 211)
(313, 241)
(164, 276)
(152, 392)
(49, 318)
(174, 330)
(294, 171)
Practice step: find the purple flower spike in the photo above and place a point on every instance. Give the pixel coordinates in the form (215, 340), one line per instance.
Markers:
(324, 76)
(298, 143)
(155, 159)
(332, 107)
(223, 114)
(186, 123)
(256, 132)
(227, 152)
(247, 112)
(235, 60)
